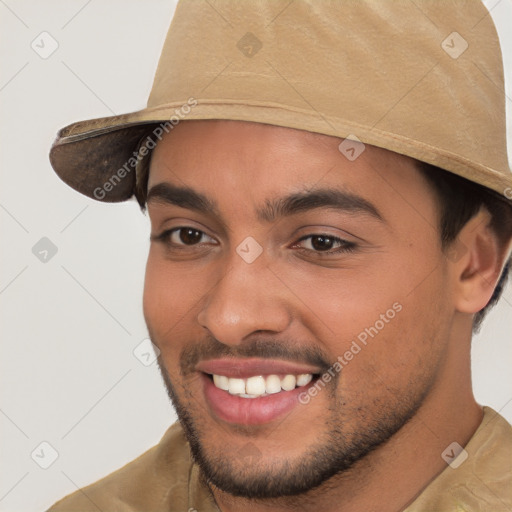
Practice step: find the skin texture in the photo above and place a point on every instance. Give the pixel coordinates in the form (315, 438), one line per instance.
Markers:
(400, 401)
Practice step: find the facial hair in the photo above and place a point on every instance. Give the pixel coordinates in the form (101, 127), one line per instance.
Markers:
(335, 452)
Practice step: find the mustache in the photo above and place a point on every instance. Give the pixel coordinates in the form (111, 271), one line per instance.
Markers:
(260, 347)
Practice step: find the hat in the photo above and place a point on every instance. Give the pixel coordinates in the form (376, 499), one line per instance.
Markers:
(423, 79)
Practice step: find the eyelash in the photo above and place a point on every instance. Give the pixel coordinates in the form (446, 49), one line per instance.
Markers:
(344, 245)
(165, 237)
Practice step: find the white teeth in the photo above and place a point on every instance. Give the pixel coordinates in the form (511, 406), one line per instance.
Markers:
(221, 381)
(257, 386)
(304, 378)
(236, 386)
(273, 384)
(288, 383)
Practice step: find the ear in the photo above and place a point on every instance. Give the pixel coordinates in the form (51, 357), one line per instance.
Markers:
(477, 259)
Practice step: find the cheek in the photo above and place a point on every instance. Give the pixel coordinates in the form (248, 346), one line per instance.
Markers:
(155, 285)
(171, 298)
(384, 316)
(402, 348)
(339, 305)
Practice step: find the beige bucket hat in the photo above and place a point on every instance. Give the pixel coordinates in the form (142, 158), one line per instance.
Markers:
(422, 78)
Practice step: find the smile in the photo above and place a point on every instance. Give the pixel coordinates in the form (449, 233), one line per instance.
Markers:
(259, 385)
(254, 391)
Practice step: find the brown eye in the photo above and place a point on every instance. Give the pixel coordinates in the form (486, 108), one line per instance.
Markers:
(325, 243)
(322, 243)
(190, 236)
(183, 237)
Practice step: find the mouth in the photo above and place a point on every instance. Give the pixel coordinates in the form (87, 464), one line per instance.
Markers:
(260, 385)
(253, 392)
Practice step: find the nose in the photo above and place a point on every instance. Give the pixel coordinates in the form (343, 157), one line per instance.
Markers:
(247, 299)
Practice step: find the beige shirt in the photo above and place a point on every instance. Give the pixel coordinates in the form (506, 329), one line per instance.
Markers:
(165, 479)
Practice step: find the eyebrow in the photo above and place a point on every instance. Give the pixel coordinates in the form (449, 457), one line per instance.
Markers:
(186, 197)
(317, 198)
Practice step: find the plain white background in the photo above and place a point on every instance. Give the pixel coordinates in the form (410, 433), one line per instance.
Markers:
(69, 376)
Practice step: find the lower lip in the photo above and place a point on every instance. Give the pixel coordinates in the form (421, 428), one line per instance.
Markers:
(249, 411)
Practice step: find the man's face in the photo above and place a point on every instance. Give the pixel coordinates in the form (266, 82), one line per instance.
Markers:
(272, 254)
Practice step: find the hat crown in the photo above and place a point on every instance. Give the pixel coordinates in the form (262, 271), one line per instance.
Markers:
(423, 79)
(430, 73)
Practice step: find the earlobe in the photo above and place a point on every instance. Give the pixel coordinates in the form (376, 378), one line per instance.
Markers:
(479, 267)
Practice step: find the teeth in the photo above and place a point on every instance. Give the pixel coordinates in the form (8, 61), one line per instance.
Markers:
(273, 384)
(254, 387)
(236, 386)
(304, 378)
(221, 382)
(288, 383)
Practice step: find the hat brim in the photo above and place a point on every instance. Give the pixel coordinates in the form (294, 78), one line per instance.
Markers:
(97, 157)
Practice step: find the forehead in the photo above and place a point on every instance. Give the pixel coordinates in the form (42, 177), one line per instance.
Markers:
(236, 161)
(211, 142)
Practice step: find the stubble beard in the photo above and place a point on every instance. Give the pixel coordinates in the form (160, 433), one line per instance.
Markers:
(335, 453)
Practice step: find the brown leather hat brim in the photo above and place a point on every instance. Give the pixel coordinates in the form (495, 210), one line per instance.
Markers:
(88, 163)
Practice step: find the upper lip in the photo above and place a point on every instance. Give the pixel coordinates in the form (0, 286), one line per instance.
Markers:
(248, 367)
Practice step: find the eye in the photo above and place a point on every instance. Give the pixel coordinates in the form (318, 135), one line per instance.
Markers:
(184, 236)
(325, 243)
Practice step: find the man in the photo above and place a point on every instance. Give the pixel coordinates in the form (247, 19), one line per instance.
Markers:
(329, 196)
